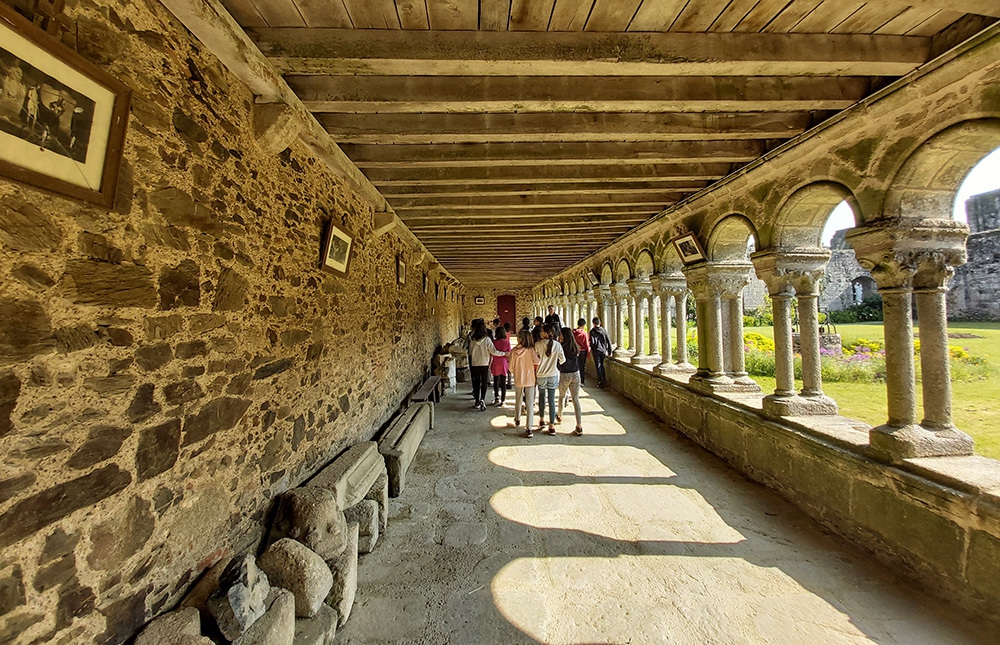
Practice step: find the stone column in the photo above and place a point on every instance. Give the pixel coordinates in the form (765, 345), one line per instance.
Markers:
(710, 375)
(603, 295)
(632, 315)
(906, 255)
(680, 324)
(591, 306)
(654, 328)
(730, 279)
(737, 357)
(641, 290)
(671, 286)
(787, 273)
(621, 312)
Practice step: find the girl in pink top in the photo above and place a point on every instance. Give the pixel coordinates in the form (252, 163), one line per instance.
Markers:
(524, 361)
(498, 367)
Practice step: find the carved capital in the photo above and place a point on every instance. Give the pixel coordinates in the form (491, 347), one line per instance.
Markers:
(669, 284)
(620, 291)
(640, 287)
(905, 253)
(784, 270)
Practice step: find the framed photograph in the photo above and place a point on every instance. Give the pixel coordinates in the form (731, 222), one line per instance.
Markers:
(689, 249)
(336, 248)
(62, 119)
(480, 300)
(592, 278)
(400, 270)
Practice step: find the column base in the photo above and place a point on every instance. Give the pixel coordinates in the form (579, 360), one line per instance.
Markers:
(747, 384)
(713, 383)
(622, 354)
(894, 444)
(777, 406)
(663, 369)
(645, 360)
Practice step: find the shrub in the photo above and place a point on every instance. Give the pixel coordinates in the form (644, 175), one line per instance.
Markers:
(753, 340)
(868, 310)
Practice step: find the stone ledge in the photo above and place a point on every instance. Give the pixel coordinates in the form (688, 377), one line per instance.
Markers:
(934, 520)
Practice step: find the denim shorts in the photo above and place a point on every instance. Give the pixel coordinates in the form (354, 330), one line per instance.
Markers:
(548, 382)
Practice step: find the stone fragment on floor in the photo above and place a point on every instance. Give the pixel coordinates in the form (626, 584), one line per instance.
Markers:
(380, 493)
(297, 568)
(242, 596)
(312, 516)
(318, 630)
(366, 514)
(345, 576)
(352, 474)
(277, 625)
(171, 628)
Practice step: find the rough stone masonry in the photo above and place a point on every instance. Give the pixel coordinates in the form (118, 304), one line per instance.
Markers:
(170, 366)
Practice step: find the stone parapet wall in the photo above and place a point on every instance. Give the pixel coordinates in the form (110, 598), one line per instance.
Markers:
(169, 367)
(934, 520)
(975, 289)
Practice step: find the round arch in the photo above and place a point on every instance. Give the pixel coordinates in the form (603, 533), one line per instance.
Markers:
(670, 261)
(729, 239)
(927, 182)
(644, 264)
(803, 215)
(623, 271)
(607, 274)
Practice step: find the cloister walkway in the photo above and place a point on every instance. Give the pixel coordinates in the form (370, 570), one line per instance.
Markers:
(629, 534)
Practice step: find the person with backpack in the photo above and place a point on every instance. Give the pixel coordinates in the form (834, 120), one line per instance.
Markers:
(551, 356)
(524, 361)
(498, 366)
(569, 378)
(600, 348)
(481, 348)
(583, 342)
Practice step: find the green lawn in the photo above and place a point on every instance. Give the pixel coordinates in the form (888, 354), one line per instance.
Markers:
(975, 404)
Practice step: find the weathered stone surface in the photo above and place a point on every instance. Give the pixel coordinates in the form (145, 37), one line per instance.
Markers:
(88, 282)
(55, 573)
(162, 327)
(110, 385)
(14, 485)
(277, 625)
(10, 390)
(143, 404)
(25, 330)
(178, 208)
(191, 349)
(320, 629)
(380, 493)
(166, 236)
(345, 577)
(401, 441)
(40, 510)
(171, 628)
(200, 323)
(73, 339)
(32, 276)
(123, 618)
(230, 293)
(242, 597)
(12, 591)
(292, 337)
(352, 474)
(97, 247)
(180, 285)
(103, 442)
(58, 544)
(117, 539)
(153, 357)
(188, 127)
(182, 392)
(270, 369)
(297, 568)
(311, 516)
(365, 515)
(119, 337)
(25, 228)
(76, 601)
(158, 449)
(218, 414)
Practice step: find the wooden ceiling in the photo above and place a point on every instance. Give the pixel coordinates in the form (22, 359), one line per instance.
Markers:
(515, 137)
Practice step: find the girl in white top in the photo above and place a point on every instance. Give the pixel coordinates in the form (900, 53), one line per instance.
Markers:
(551, 354)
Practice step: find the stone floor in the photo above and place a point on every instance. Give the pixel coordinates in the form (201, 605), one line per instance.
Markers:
(629, 534)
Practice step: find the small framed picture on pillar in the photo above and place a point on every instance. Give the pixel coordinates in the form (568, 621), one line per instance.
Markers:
(689, 248)
(400, 270)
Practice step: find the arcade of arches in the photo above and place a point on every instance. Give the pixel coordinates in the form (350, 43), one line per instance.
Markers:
(174, 361)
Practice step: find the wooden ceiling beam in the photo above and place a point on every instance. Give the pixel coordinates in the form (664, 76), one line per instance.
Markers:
(609, 172)
(534, 94)
(542, 127)
(543, 154)
(518, 202)
(370, 52)
(580, 188)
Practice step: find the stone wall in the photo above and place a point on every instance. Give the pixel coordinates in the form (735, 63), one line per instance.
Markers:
(983, 211)
(488, 310)
(931, 520)
(167, 368)
(975, 290)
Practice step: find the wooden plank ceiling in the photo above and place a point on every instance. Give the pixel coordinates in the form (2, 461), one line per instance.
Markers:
(515, 137)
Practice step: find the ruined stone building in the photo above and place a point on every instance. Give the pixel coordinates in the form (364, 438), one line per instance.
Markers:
(234, 232)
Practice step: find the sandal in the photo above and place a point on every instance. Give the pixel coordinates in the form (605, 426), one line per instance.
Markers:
(517, 424)
(552, 429)
(529, 434)
(579, 431)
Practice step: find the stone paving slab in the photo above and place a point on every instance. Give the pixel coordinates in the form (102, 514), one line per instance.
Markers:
(629, 534)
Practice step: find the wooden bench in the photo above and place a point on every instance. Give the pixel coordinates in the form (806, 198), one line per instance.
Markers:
(429, 391)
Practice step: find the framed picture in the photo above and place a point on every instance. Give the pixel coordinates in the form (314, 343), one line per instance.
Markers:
(689, 249)
(480, 300)
(592, 278)
(62, 119)
(400, 270)
(336, 248)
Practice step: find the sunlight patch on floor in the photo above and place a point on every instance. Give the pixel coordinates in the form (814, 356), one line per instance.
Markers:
(580, 460)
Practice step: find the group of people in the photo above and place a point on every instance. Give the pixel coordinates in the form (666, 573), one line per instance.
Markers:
(547, 358)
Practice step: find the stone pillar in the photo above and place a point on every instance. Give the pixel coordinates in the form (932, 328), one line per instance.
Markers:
(672, 286)
(904, 256)
(632, 315)
(731, 278)
(654, 328)
(787, 274)
(591, 307)
(710, 375)
(603, 295)
(641, 290)
(621, 312)
(680, 324)
(737, 357)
